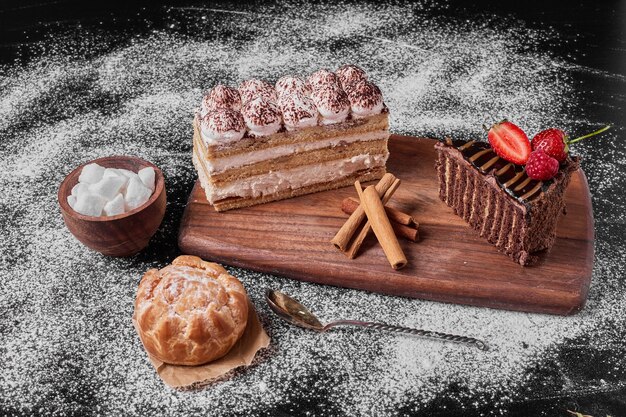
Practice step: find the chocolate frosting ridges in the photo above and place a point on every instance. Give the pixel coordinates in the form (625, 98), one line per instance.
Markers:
(510, 177)
(323, 98)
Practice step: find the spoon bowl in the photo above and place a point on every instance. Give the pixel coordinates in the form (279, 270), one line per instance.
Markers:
(291, 310)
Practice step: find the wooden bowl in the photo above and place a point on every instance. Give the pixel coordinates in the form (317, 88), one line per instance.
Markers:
(124, 234)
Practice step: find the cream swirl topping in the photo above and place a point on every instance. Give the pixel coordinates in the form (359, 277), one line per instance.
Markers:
(291, 84)
(262, 117)
(322, 78)
(349, 75)
(253, 88)
(365, 99)
(220, 97)
(298, 111)
(332, 103)
(222, 125)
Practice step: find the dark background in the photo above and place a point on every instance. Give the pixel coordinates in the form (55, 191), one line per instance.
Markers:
(591, 33)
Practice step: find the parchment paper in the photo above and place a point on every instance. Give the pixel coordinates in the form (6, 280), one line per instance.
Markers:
(243, 352)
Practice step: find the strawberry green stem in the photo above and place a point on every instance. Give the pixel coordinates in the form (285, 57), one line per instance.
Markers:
(604, 129)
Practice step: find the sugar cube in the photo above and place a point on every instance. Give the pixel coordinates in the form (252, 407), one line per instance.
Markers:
(89, 204)
(126, 172)
(147, 176)
(114, 172)
(71, 200)
(115, 206)
(80, 188)
(108, 187)
(136, 193)
(91, 173)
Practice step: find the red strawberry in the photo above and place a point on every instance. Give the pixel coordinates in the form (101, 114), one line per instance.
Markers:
(541, 166)
(553, 142)
(509, 142)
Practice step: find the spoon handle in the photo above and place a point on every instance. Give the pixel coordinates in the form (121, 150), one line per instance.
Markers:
(417, 332)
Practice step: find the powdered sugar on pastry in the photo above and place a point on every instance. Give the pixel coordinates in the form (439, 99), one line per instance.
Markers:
(190, 312)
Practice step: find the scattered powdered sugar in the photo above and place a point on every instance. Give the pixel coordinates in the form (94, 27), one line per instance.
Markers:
(65, 312)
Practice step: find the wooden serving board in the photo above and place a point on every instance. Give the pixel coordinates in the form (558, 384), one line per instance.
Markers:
(450, 263)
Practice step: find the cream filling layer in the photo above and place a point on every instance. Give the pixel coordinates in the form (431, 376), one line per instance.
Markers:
(276, 181)
(218, 165)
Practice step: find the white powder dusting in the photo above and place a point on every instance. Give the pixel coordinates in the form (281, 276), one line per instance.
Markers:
(65, 312)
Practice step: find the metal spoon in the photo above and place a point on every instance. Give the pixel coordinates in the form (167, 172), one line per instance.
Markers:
(295, 313)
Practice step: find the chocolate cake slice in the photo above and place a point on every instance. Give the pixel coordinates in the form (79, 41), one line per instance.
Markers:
(512, 211)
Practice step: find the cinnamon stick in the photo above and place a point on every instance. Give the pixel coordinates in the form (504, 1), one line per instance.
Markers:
(349, 204)
(356, 243)
(349, 228)
(406, 232)
(402, 230)
(376, 216)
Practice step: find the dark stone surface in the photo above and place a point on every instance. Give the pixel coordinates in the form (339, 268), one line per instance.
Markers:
(592, 35)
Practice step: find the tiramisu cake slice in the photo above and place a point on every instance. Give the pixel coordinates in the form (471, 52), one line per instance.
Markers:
(261, 143)
(509, 193)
